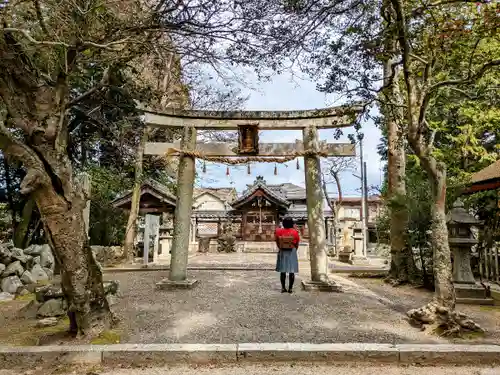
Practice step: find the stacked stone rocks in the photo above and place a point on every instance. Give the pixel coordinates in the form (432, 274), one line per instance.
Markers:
(49, 300)
(21, 270)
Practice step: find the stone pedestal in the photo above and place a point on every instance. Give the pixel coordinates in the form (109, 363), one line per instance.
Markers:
(358, 258)
(172, 285)
(466, 288)
(321, 286)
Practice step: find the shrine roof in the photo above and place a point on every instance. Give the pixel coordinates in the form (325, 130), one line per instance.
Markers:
(274, 194)
(164, 199)
(287, 190)
(491, 172)
(486, 179)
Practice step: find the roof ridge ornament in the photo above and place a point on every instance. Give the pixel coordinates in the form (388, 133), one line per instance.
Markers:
(259, 180)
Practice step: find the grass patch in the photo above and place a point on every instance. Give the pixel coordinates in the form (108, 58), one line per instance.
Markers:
(472, 335)
(368, 275)
(23, 332)
(26, 297)
(107, 337)
(489, 308)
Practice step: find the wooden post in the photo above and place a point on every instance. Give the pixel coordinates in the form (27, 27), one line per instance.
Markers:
(315, 213)
(184, 208)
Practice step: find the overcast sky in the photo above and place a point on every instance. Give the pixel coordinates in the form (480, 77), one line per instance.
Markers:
(282, 93)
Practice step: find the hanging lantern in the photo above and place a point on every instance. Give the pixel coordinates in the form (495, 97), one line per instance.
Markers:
(298, 165)
(227, 171)
(275, 170)
(248, 168)
(204, 167)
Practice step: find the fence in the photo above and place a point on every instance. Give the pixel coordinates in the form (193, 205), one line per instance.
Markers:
(488, 264)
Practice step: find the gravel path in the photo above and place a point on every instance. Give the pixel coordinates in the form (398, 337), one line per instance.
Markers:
(247, 306)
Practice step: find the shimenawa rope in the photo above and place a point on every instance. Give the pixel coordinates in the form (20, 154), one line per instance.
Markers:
(244, 159)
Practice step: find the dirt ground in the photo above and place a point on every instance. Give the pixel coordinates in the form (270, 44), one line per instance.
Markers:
(247, 306)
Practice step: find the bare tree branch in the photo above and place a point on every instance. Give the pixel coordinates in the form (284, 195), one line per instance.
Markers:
(84, 44)
(39, 15)
(470, 79)
(103, 83)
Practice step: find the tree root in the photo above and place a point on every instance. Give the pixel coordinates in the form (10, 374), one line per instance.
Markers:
(442, 320)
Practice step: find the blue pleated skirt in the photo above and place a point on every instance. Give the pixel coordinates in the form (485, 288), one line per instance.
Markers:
(287, 261)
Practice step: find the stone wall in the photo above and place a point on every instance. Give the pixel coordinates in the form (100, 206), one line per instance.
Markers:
(20, 270)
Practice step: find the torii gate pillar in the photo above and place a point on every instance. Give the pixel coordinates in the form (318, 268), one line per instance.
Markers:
(180, 245)
(315, 216)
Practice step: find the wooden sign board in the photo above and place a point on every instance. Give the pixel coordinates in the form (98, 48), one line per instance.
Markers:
(265, 149)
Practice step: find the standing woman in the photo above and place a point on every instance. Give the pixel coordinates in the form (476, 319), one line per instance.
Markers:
(287, 239)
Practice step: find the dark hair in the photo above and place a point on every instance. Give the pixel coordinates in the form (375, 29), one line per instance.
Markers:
(288, 223)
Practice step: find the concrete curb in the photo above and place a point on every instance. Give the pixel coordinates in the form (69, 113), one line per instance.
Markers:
(161, 354)
(192, 268)
(236, 268)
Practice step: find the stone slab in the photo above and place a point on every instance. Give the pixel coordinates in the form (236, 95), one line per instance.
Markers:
(309, 285)
(469, 291)
(166, 284)
(495, 294)
(354, 270)
(357, 260)
(476, 301)
(161, 354)
(255, 352)
(449, 354)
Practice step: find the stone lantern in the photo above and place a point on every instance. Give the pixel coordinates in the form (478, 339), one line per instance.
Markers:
(461, 240)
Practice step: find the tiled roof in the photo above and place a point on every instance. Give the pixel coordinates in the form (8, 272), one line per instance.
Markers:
(491, 172)
(225, 194)
(259, 183)
(160, 191)
(287, 190)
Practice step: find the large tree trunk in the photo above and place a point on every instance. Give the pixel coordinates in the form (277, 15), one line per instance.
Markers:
(443, 282)
(38, 109)
(131, 230)
(440, 312)
(402, 268)
(81, 277)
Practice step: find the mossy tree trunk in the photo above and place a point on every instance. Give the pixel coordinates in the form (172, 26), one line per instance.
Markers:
(36, 108)
(402, 269)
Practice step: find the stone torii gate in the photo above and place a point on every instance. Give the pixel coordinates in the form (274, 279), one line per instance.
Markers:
(248, 123)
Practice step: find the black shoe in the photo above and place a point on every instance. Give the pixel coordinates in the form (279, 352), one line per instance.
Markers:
(283, 290)
(290, 291)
